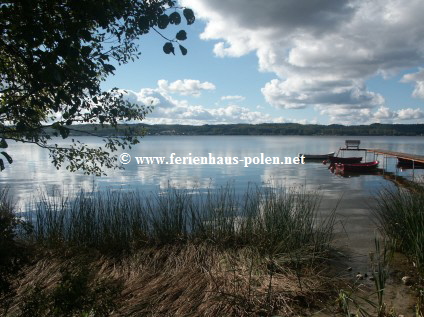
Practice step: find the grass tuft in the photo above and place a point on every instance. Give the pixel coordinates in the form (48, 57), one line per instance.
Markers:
(273, 220)
(400, 215)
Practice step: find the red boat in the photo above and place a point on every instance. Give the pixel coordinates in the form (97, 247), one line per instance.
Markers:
(358, 167)
(345, 160)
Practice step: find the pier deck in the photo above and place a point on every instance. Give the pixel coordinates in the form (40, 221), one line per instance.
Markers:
(412, 157)
(408, 156)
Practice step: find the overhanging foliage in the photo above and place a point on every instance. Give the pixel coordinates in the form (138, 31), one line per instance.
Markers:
(54, 54)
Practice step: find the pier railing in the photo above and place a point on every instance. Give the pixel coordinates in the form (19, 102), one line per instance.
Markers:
(415, 160)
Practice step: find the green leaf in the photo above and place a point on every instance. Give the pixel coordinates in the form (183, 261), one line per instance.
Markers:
(189, 15)
(3, 144)
(163, 21)
(1, 165)
(143, 24)
(181, 35)
(55, 75)
(168, 48)
(20, 126)
(86, 50)
(7, 156)
(109, 68)
(64, 132)
(183, 50)
(30, 112)
(175, 18)
(85, 35)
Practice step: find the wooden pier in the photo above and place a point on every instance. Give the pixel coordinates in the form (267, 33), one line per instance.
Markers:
(389, 154)
(407, 156)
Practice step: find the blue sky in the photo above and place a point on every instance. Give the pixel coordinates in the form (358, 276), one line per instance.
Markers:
(252, 61)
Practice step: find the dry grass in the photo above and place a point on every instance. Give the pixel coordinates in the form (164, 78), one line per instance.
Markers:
(176, 253)
(191, 280)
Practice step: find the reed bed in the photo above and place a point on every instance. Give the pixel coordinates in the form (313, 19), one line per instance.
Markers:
(400, 214)
(174, 253)
(275, 220)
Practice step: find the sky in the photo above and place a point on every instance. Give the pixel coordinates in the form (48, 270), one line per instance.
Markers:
(303, 61)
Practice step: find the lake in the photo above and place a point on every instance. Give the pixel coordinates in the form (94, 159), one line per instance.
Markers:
(32, 171)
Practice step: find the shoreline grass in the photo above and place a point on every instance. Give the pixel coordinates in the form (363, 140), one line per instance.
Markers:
(177, 252)
(273, 220)
(173, 280)
(400, 215)
(192, 253)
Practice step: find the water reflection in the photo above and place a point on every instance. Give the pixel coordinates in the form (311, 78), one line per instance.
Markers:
(32, 169)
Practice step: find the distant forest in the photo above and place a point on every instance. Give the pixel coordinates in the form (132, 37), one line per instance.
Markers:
(259, 129)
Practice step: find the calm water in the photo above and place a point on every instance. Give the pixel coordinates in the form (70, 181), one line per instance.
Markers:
(32, 171)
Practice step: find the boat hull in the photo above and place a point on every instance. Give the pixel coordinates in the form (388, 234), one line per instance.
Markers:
(358, 167)
(404, 167)
(317, 157)
(409, 163)
(345, 160)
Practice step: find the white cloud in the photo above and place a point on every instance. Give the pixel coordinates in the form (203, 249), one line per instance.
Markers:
(168, 110)
(298, 92)
(418, 79)
(384, 113)
(185, 87)
(408, 114)
(322, 52)
(346, 115)
(233, 98)
(366, 116)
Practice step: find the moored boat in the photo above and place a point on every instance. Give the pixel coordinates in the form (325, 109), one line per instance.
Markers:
(345, 160)
(407, 162)
(358, 167)
(404, 167)
(317, 156)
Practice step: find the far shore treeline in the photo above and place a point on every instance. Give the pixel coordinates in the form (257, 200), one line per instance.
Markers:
(257, 129)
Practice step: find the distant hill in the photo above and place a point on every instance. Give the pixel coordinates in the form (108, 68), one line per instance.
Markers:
(259, 129)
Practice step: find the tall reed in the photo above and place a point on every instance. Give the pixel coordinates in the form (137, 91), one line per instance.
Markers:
(271, 219)
(400, 213)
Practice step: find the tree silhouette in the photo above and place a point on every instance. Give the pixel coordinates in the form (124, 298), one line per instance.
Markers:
(54, 54)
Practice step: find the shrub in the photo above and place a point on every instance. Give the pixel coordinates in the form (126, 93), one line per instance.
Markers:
(11, 253)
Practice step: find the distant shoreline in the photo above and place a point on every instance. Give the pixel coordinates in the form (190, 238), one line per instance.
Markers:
(375, 129)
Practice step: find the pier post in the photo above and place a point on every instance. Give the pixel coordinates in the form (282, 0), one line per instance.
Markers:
(385, 162)
(396, 171)
(413, 170)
